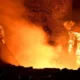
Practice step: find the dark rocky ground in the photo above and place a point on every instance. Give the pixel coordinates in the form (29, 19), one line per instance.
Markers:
(11, 72)
(44, 12)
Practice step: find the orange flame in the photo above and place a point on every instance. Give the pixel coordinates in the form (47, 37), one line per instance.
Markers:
(26, 42)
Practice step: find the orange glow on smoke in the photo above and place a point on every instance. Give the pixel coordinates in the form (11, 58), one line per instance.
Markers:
(29, 46)
(26, 42)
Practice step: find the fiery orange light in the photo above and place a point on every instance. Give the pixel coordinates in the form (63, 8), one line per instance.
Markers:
(27, 43)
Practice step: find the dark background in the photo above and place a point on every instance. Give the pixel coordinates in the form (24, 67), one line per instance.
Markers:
(76, 4)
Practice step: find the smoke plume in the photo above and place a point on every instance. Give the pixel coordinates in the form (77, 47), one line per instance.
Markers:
(27, 43)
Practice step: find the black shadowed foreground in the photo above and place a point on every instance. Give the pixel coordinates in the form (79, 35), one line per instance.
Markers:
(11, 72)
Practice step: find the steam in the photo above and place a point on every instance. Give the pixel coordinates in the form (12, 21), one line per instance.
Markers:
(26, 41)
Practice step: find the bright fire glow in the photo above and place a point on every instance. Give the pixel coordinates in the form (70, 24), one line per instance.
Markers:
(26, 43)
